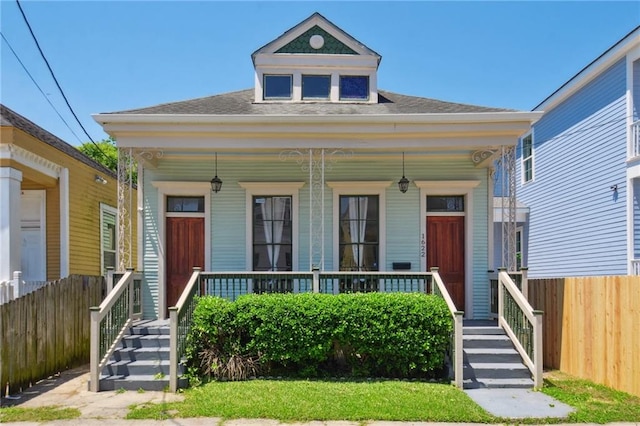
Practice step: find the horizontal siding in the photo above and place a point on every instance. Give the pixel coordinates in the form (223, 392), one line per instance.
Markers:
(577, 223)
(403, 216)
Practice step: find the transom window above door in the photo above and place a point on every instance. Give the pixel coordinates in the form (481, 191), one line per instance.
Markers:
(185, 204)
(359, 233)
(272, 233)
(445, 203)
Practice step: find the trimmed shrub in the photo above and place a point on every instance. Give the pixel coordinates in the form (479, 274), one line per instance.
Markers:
(310, 335)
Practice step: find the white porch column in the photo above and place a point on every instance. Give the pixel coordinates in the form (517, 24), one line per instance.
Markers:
(10, 242)
(64, 222)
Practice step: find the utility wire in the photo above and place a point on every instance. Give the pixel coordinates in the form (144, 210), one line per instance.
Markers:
(38, 86)
(26, 21)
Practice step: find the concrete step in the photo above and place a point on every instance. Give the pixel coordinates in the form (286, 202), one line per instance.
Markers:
(140, 354)
(138, 382)
(146, 330)
(515, 370)
(498, 383)
(482, 330)
(496, 341)
(146, 341)
(491, 355)
(137, 368)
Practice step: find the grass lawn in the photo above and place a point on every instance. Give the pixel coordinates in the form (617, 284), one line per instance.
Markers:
(40, 414)
(300, 400)
(593, 403)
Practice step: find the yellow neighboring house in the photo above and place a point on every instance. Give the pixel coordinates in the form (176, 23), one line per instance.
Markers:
(58, 207)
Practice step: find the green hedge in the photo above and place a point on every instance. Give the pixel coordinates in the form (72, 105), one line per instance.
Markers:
(311, 335)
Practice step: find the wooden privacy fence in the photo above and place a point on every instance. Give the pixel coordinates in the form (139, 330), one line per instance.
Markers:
(46, 331)
(592, 327)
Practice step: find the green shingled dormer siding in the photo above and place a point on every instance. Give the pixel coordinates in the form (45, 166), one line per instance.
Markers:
(331, 44)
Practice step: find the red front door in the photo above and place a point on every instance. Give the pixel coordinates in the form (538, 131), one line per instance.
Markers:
(445, 249)
(185, 250)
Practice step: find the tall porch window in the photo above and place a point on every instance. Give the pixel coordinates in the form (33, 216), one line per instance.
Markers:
(272, 233)
(359, 233)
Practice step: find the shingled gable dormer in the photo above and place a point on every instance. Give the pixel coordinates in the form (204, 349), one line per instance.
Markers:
(316, 61)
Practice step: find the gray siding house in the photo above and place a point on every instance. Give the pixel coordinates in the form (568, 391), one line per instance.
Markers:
(578, 171)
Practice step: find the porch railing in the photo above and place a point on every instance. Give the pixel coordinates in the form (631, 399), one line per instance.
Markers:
(635, 139)
(231, 285)
(519, 279)
(110, 320)
(438, 288)
(522, 324)
(180, 317)
(635, 267)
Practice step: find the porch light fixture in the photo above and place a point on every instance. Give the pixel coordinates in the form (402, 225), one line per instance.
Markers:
(403, 184)
(100, 179)
(216, 182)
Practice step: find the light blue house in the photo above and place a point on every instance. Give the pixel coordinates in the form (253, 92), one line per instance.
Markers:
(578, 171)
(315, 166)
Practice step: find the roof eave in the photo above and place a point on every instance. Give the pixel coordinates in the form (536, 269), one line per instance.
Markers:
(471, 117)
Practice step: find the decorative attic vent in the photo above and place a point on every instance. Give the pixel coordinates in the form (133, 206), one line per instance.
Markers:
(331, 45)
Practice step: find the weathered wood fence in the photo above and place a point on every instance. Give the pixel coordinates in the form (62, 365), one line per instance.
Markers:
(592, 327)
(47, 331)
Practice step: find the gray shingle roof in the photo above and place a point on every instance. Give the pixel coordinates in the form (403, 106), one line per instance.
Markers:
(8, 117)
(242, 103)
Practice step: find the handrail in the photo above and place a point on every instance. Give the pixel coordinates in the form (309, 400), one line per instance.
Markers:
(180, 317)
(110, 320)
(457, 357)
(522, 323)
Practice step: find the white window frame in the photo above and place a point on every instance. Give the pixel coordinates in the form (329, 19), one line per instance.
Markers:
(523, 160)
(451, 187)
(520, 231)
(290, 189)
(105, 208)
(341, 99)
(264, 87)
(348, 188)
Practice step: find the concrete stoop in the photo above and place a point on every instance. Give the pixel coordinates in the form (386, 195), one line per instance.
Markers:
(491, 360)
(141, 360)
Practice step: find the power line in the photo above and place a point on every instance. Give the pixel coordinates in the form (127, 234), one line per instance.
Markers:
(38, 86)
(26, 21)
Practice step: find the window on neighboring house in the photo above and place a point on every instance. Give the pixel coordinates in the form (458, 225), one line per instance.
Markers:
(277, 86)
(354, 87)
(316, 86)
(518, 248)
(272, 233)
(527, 158)
(108, 237)
(359, 233)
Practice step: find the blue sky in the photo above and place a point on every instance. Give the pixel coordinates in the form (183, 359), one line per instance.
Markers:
(115, 55)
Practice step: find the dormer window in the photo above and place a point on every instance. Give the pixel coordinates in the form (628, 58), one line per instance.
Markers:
(315, 61)
(316, 87)
(278, 86)
(354, 87)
